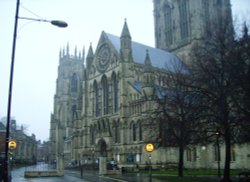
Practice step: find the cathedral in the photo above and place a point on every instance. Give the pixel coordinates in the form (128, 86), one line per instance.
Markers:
(104, 102)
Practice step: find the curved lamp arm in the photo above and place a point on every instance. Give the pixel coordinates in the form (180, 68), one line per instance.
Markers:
(58, 23)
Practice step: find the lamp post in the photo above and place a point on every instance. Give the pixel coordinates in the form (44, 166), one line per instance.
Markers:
(7, 176)
(93, 159)
(150, 169)
(150, 147)
(218, 152)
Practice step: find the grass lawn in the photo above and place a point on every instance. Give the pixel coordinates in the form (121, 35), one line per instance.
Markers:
(185, 179)
(189, 175)
(192, 172)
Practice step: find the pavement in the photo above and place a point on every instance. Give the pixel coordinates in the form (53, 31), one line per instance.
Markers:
(88, 176)
(93, 176)
(75, 176)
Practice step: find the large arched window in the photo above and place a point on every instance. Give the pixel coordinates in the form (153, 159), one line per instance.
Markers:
(168, 25)
(207, 24)
(116, 132)
(134, 128)
(105, 95)
(183, 9)
(92, 135)
(140, 131)
(115, 92)
(96, 99)
(73, 84)
(74, 112)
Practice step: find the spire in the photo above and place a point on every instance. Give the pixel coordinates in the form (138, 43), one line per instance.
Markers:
(126, 44)
(83, 52)
(67, 49)
(90, 56)
(125, 31)
(82, 55)
(60, 53)
(147, 61)
(148, 79)
(75, 52)
(90, 51)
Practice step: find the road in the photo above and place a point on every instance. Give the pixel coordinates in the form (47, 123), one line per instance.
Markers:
(18, 176)
(69, 176)
(75, 176)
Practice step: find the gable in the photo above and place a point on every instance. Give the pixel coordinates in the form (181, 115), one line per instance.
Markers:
(105, 54)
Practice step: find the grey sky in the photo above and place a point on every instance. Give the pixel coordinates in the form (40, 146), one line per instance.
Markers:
(38, 46)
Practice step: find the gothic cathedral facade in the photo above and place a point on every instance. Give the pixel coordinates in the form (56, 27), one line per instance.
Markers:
(103, 105)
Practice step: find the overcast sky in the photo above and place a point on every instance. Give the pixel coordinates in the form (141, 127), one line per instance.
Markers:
(38, 46)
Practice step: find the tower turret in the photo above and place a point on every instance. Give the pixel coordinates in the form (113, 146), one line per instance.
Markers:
(147, 62)
(90, 56)
(75, 52)
(126, 44)
(67, 50)
(83, 53)
(148, 76)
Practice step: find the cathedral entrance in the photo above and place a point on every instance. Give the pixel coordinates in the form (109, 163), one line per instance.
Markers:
(102, 147)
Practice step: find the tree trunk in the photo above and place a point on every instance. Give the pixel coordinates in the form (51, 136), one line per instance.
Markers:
(226, 176)
(180, 164)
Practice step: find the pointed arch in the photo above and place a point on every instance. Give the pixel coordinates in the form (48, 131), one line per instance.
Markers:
(74, 83)
(140, 131)
(183, 10)
(102, 145)
(92, 135)
(115, 92)
(168, 24)
(105, 95)
(96, 99)
(74, 112)
(116, 129)
(134, 131)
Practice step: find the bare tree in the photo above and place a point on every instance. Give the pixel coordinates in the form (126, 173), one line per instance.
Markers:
(180, 124)
(214, 68)
(241, 75)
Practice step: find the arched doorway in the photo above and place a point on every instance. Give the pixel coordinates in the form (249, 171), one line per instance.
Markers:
(102, 149)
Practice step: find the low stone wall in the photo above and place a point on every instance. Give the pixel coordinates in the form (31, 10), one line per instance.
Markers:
(35, 174)
(114, 171)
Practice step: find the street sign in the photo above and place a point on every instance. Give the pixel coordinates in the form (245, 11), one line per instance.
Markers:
(149, 147)
(12, 144)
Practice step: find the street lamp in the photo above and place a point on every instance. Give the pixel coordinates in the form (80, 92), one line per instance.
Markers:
(218, 152)
(150, 169)
(93, 159)
(58, 23)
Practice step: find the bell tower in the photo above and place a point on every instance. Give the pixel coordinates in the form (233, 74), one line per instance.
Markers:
(180, 23)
